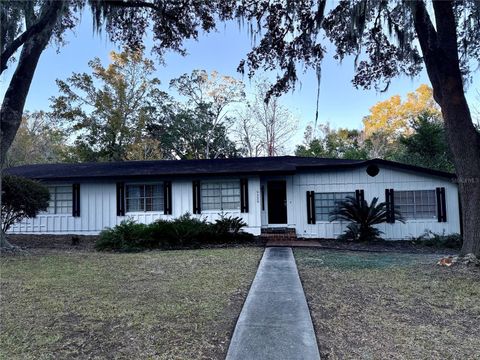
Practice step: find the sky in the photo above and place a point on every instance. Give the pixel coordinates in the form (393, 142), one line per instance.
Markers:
(340, 103)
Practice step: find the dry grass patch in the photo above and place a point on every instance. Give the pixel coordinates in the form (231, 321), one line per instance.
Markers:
(391, 306)
(155, 305)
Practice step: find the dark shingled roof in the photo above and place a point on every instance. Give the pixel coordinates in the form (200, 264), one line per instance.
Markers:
(236, 166)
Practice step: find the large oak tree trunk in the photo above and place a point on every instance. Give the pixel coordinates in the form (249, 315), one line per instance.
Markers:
(465, 146)
(440, 52)
(17, 91)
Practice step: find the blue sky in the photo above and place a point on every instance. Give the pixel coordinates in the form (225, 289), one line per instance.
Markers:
(340, 103)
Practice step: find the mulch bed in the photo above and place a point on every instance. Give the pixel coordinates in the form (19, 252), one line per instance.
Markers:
(87, 242)
(53, 242)
(43, 244)
(385, 246)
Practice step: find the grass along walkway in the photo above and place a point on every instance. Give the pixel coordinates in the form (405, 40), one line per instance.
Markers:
(390, 306)
(155, 305)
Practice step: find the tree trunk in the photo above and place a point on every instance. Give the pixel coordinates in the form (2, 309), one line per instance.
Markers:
(465, 146)
(440, 51)
(4, 243)
(16, 94)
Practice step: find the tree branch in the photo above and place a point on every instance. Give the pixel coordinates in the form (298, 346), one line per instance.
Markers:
(446, 28)
(47, 12)
(427, 37)
(134, 4)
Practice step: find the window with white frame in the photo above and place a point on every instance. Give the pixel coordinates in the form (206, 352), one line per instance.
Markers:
(61, 199)
(416, 204)
(326, 202)
(144, 197)
(221, 195)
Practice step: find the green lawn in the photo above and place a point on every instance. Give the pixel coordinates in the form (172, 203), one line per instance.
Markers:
(391, 306)
(154, 305)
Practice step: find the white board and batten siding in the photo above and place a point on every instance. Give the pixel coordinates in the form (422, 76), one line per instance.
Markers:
(98, 210)
(98, 207)
(357, 179)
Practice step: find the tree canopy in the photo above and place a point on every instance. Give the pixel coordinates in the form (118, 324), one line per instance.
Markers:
(22, 198)
(108, 110)
(331, 143)
(427, 145)
(39, 140)
(393, 116)
(380, 35)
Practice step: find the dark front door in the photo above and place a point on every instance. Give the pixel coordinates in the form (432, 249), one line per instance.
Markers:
(277, 202)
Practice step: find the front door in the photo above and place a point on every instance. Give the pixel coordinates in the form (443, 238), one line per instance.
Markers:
(277, 202)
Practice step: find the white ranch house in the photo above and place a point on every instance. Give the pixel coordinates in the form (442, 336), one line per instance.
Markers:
(286, 192)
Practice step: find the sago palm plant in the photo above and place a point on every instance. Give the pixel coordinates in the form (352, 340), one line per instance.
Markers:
(362, 218)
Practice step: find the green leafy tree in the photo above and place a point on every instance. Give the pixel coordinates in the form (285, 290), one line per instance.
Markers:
(186, 133)
(211, 98)
(108, 110)
(427, 145)
(38, 141)
(341, 143)
(362, 218)
(22, 198)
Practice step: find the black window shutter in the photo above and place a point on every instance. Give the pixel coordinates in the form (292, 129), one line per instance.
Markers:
(244, 195)
(392, 206)
(76, 200)
(310, 207)
(262, 190)
(441, 208)
(196, 197)
(120, 199)
(360, 195)
(389, 199)
(444, 204)
(167, 197)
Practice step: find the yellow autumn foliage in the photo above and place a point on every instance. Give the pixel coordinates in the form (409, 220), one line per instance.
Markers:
(392, 116)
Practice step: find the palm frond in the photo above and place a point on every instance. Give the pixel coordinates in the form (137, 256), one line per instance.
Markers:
(362, 217)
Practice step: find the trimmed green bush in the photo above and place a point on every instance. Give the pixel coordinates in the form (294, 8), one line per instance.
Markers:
(163, 233)
(183, 232)
(127, 236)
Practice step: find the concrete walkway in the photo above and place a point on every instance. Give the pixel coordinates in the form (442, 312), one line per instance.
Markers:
(275, 320)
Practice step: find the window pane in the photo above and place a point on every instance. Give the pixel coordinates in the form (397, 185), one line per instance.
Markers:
(326, 202)
(144, 197)
(416, 204)
(157, 204)
(220, 195)
(60, 199)
(134, 205)
(133, 191)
